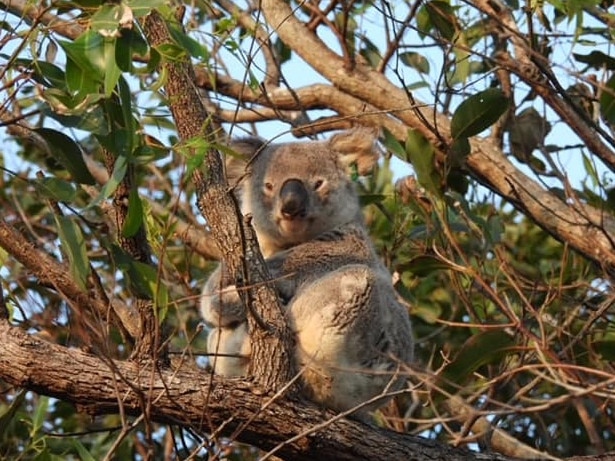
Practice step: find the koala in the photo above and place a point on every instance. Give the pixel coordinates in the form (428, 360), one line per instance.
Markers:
(351, 332)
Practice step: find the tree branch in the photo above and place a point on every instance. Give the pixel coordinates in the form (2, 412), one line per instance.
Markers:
(181, 397)
(271, 356)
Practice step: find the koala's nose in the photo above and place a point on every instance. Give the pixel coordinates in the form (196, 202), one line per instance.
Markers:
(294, 199)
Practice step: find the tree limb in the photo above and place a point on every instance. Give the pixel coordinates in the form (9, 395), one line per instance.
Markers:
(181, 397)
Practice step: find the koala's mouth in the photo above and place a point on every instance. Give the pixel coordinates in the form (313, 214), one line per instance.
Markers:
(297, 228)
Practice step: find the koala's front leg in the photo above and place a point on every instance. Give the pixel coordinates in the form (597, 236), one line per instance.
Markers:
(230, 350)
(220, 303)
(228, 342)
(285, 283)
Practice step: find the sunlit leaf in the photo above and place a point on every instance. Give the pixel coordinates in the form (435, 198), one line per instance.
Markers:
(134, 218)
(68, 153)
(73, 245)
(421, 154)
(106, 19)
(478, 112)
(142, 7)
(443, 18)
(415, 60)
(56, 189)
(607, 101)
(119, 171)
(480, 349)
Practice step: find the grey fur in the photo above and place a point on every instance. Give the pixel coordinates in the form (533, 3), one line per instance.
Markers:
(352, 333)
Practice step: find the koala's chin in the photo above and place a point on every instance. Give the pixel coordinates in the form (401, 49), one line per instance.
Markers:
(295, 230)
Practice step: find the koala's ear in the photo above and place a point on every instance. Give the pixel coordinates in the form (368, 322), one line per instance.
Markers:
(357, 146)
(238, 157)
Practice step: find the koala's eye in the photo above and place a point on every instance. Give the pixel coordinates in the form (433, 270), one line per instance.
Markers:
(268, 186)
(318, 184)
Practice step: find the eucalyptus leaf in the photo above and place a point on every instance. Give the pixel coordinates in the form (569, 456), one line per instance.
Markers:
(134, 218)
(482, 348)
(478, 112)
(68, 154)
(422, 154)
(56, 189)
(607, 101)
(73, 245)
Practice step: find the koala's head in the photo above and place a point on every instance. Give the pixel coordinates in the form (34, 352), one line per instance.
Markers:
(296, 191)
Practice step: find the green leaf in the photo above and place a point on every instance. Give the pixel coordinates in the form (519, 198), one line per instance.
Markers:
(106, 20)
(39, 415)
(443, 18)
(421, 154)
(596, 59)
(195, 150)
(282, 51)
(73, 245)
(79, 81)
(193, 47)
(141, 8)
(370, 52)
(68, 153)
(416, 61)
(113, 72)
(424, 265)
(482, 348)
(391, 143)
(13, 408)
(119, 171)
(87, 53)
(91, 62)
(56, 189)
(607, 101)
(478, 112)
(143, 279)
(129, 43)
(84, 454)
(171, 52)
(45, 73)
(606, 348)
(134, 218)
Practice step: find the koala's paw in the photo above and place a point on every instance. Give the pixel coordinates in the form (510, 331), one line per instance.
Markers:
(223, 307)
(229, 350)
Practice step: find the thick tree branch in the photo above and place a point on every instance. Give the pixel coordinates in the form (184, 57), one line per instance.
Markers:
(49, 271)
(181, 397)
(271, 357)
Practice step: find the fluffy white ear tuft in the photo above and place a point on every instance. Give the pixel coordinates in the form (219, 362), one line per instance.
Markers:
(357, 146)
(239, 155)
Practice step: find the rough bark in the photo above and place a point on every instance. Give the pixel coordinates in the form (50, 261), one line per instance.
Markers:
(271, 363)
(190, 398)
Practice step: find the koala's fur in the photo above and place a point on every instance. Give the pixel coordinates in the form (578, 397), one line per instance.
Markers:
(351, 332)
